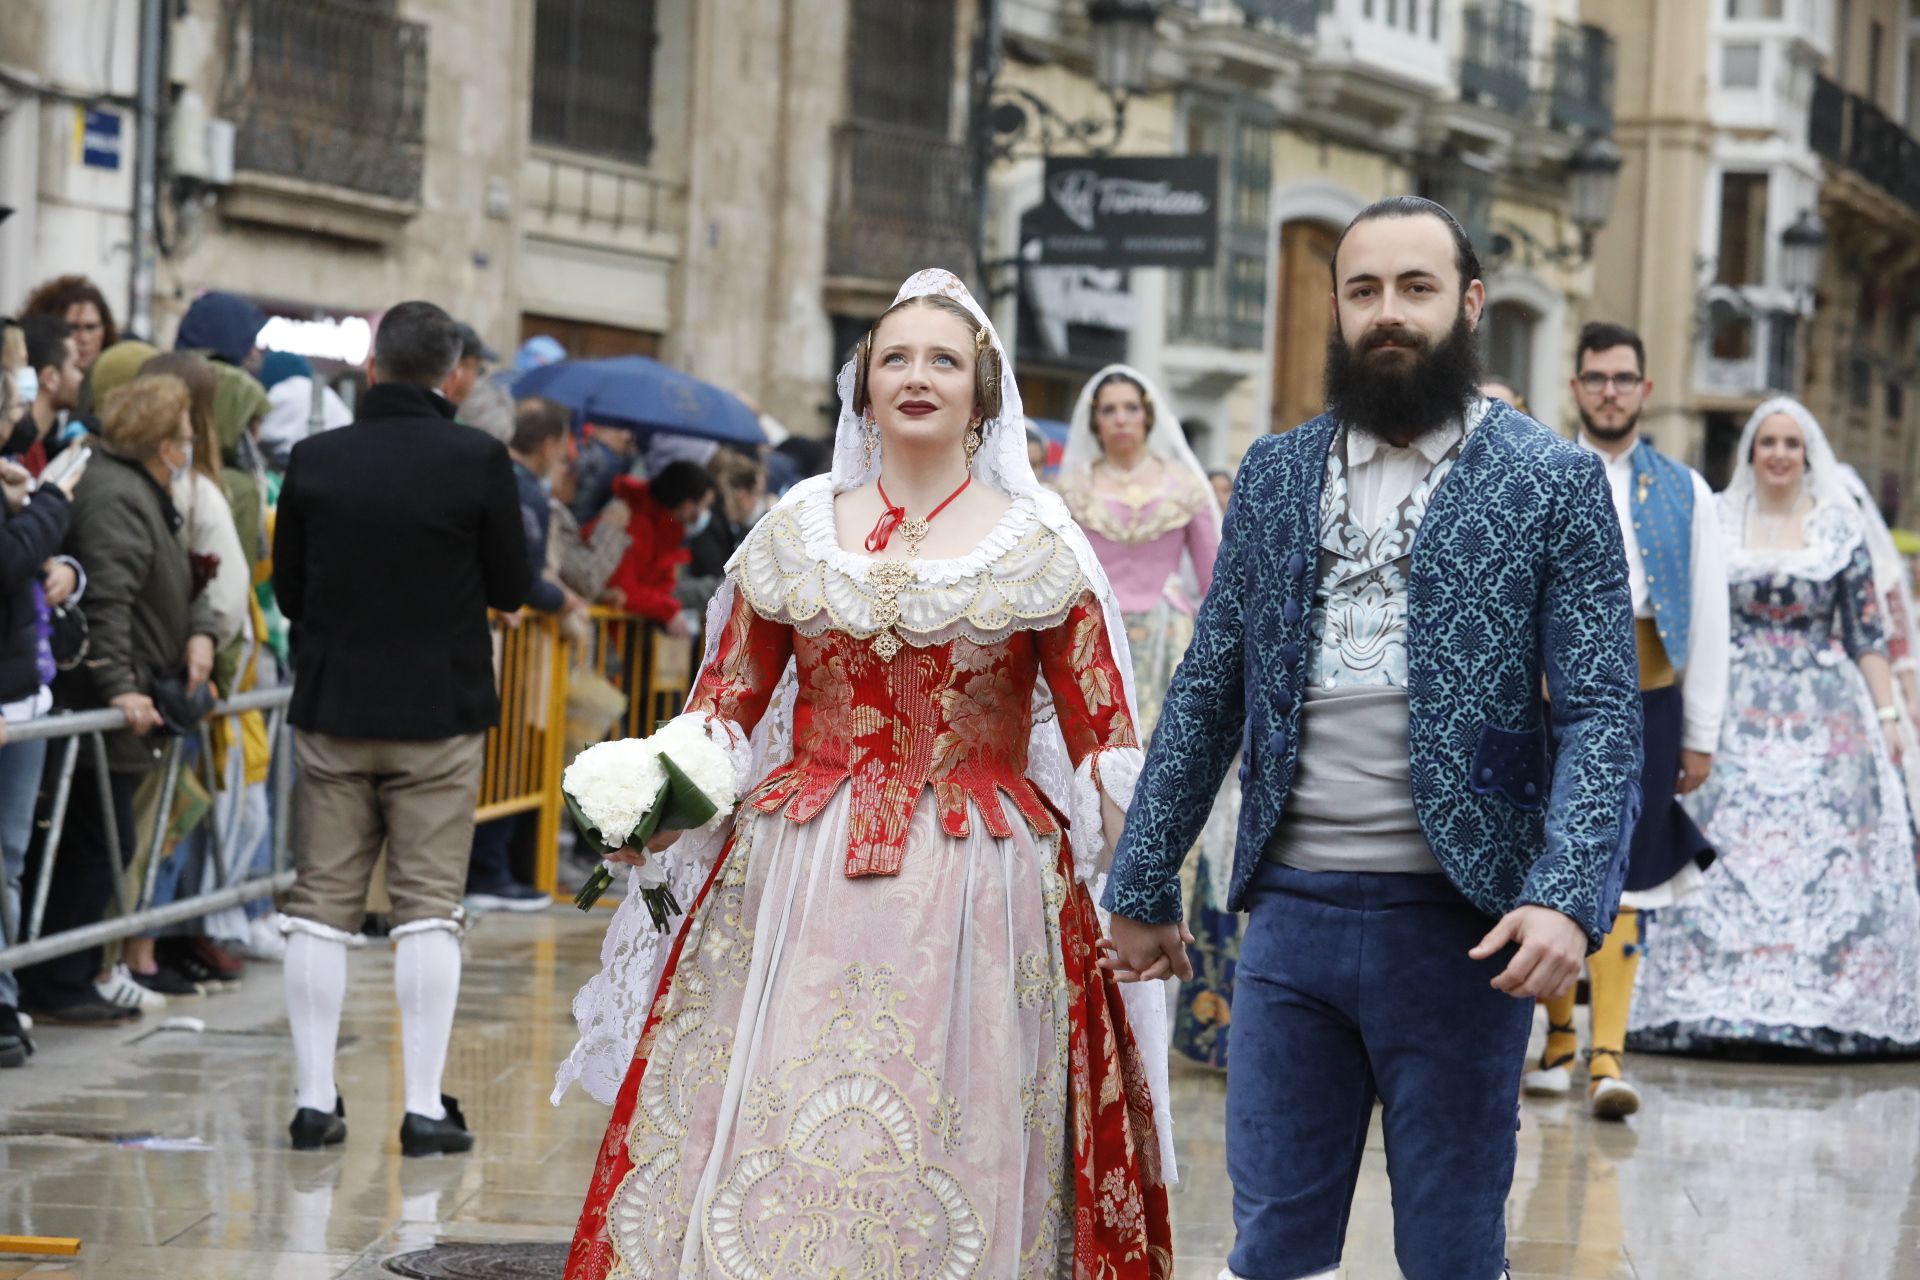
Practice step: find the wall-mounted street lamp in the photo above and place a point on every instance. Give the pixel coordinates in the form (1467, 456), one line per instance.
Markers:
(1014, 121)
(1593, 175)
(1802, 246)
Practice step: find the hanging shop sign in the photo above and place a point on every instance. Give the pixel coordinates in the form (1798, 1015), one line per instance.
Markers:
(1129, 211)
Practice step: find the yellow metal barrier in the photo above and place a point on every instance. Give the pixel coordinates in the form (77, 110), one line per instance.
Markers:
(539, 668)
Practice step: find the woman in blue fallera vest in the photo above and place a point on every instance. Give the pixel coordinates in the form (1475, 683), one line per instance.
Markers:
(1805, 934)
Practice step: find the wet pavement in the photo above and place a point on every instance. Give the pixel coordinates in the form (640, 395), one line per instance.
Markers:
(165, 1150)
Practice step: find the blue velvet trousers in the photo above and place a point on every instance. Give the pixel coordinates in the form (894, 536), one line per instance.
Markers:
(1352, 989)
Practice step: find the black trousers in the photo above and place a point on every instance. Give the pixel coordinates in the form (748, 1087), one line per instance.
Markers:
(82, 888)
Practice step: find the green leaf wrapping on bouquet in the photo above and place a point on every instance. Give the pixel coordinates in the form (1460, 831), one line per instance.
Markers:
(686, 805)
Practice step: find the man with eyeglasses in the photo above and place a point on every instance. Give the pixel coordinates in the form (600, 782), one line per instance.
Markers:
(1678, 576)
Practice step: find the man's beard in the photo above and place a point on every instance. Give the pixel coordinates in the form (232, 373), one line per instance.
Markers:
(1408, 395)
(1608, 435)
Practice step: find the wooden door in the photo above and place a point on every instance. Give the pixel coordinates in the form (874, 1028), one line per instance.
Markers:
(1300, 334)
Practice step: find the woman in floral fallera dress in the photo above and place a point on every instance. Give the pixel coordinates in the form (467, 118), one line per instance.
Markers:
(1151, 513)
(1805, 934)
(879, 1043)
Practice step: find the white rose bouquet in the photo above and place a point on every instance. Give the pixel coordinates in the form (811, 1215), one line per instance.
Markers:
(623, 793)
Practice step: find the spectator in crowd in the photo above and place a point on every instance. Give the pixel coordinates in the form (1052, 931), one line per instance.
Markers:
(1036, 449)
(795, 459)
(741, 494)
(490, 408)
(53, 358)
(662, 513)
(300, 405)
(147, 638)
(539, 445)
(606, 453)
(225, 327)
(394, 536)
(240, 406)
(184, 963)
(475, 355)
(664, 447)
(78, 301)
(1222, 482)
(535, 353)
(30, 535)
(583, 564)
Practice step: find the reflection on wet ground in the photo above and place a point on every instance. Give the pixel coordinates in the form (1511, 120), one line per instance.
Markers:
(165, 1150)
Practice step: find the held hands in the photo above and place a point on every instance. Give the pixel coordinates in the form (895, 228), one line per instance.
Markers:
(60, 583)
(1552, 947)
(1139, 952)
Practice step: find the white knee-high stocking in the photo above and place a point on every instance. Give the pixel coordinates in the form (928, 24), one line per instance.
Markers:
(316, 983)
(426, 978)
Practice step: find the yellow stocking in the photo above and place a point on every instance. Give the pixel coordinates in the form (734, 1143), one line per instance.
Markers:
(1610, 974)
(1562, 1042)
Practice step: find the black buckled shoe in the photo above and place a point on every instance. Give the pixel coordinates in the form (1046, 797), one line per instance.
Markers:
(16, 1046)
(420, 1136)
(311, 1130)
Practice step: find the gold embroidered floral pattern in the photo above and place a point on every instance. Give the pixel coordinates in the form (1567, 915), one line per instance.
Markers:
(1135, 514)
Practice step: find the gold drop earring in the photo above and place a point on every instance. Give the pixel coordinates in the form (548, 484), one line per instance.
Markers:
(871, 435)
(974, 441)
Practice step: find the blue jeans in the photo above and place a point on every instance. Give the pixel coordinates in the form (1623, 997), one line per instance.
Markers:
(1352, 988)
(21, 764)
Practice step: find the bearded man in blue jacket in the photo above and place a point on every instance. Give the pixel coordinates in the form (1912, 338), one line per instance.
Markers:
(1426, 843)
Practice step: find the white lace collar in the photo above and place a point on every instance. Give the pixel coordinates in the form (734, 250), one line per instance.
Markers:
(1832, 533)
(792, 569)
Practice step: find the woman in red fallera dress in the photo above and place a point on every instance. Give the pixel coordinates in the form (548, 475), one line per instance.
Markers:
(879, 1043)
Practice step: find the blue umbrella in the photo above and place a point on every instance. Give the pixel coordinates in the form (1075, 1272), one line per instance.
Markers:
(633, 391)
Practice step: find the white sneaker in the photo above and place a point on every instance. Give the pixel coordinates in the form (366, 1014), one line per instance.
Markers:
(119, 988)
(1613, 1099)
(26, 1020)
(263, 942)
(1548, 1082)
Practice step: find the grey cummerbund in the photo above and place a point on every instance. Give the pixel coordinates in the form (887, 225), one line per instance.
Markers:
(1351, 808)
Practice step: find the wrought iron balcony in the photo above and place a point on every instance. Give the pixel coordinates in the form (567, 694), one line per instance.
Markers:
(1582, 96)
(1497, 53)
(1299, 18)
(1855, 134)
(336, 93)
(903, 200)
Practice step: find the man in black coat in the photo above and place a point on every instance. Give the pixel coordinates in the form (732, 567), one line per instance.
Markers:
(394, 536)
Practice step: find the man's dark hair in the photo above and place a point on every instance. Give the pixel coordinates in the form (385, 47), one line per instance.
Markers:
(1599, 335)
(48, 338)
(417, 343)
(1413, 207)
(536, 421)
(680, 482)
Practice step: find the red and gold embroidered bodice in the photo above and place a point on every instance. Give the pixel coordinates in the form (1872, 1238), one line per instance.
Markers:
(948, 704)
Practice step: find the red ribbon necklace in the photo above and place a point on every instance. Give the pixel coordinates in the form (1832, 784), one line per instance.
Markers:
(914, 531)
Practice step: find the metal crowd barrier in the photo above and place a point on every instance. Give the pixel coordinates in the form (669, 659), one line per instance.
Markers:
(526, 754)
(540, 668)
(86, 730)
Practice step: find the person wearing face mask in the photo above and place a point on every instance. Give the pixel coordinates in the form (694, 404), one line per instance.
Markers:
(144, 625)
(742, 483)
(49, 385)
(1805, 934)
(662, 514)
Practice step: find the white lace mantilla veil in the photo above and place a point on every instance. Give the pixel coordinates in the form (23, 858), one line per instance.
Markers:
(612, 1009)
(1823, 482)
(1165, 441)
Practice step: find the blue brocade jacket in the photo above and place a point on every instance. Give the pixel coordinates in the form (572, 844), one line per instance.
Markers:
(1518, 573)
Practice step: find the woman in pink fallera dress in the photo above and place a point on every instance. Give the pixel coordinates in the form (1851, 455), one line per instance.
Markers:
(1151, 513)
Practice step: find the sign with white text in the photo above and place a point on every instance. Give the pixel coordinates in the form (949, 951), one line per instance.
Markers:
(1130, 211)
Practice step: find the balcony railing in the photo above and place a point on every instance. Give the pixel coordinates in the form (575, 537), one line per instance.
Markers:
(1497, 52)
(1855, 134)
(336, 94)
(1298, 18)
(1582, 96)
(903, 199)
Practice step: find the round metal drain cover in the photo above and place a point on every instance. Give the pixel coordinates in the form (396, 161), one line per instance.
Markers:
(544, 1261)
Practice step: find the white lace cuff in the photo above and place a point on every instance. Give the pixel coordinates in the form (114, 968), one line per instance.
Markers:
(1112, 772)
